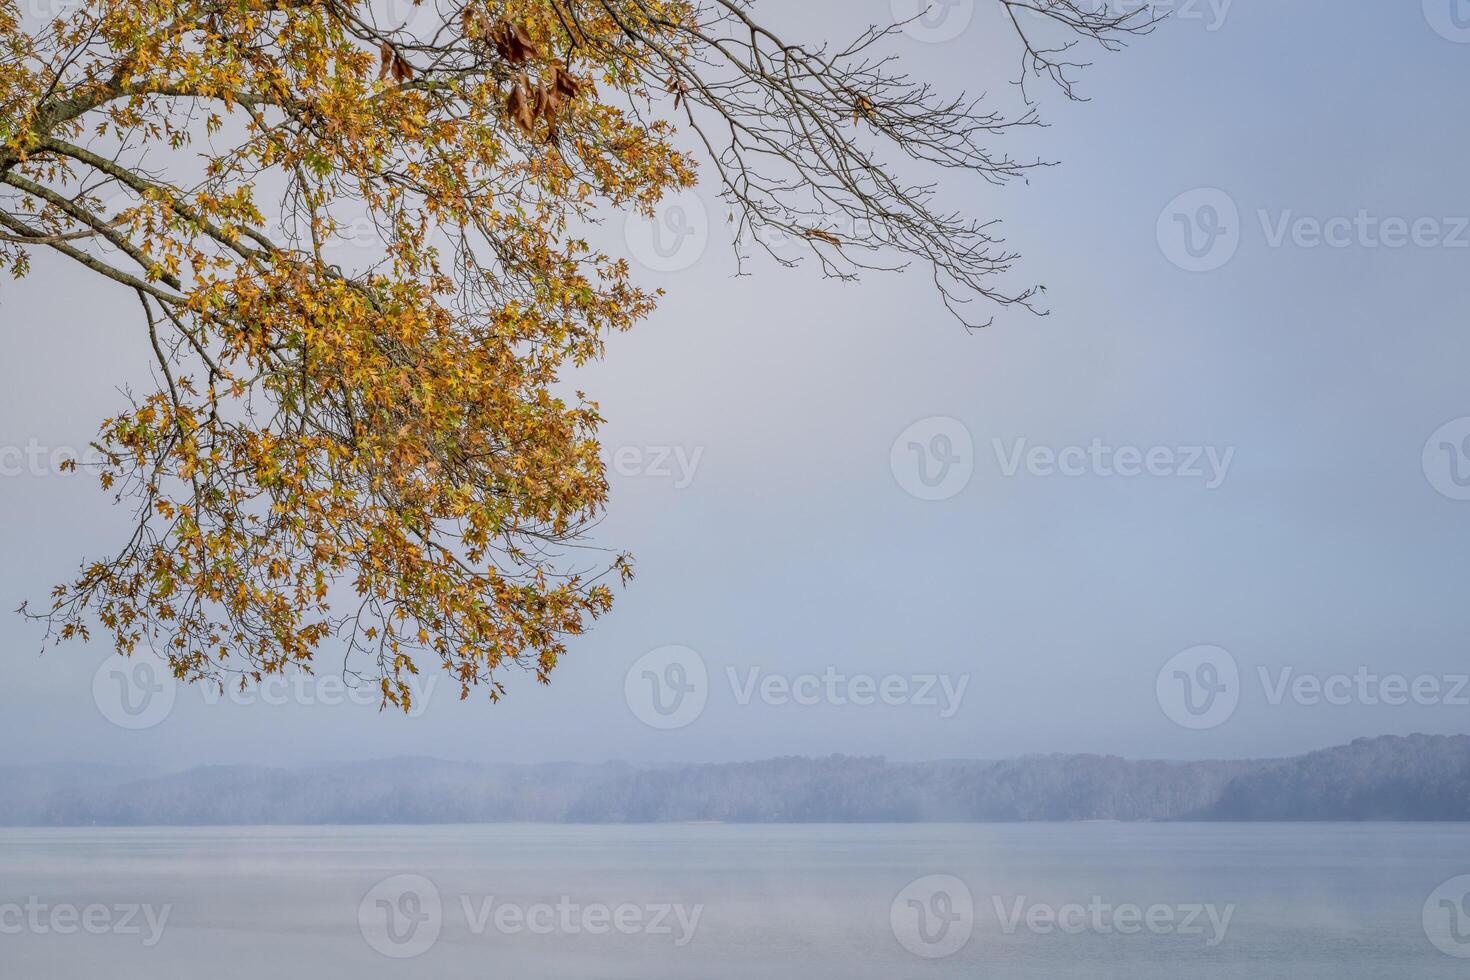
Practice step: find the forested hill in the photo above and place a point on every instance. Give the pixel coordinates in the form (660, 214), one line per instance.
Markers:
(1416, 778)
(1392, 778)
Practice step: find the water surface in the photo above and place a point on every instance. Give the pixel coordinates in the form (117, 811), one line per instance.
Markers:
(713, 901)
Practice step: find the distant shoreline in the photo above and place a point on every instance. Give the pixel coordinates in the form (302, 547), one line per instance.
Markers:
(1413, 779)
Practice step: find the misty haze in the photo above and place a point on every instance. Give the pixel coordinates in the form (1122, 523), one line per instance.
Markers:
(702, 488)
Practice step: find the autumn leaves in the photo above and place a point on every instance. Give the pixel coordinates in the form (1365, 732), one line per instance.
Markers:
(527, 104)
(511, 40)
(534, 106)
(531, 103)
(391, 63)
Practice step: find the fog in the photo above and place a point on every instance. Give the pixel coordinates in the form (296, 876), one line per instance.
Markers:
(760, 429)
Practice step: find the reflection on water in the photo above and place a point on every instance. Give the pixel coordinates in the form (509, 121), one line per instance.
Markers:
(1210, 901)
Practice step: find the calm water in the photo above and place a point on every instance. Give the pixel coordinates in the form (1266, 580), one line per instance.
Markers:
(1138, 901)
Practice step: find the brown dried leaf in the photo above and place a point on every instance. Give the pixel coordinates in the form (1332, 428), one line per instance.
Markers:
(514, 44)
(548, 102)
(565, 82)
(519, 107)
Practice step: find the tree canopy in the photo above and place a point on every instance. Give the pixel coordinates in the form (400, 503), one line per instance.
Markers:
(356, 237)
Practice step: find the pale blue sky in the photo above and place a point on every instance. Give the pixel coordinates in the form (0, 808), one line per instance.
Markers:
(794, 548)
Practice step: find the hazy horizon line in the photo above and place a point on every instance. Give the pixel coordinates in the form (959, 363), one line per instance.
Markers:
(635, 764)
